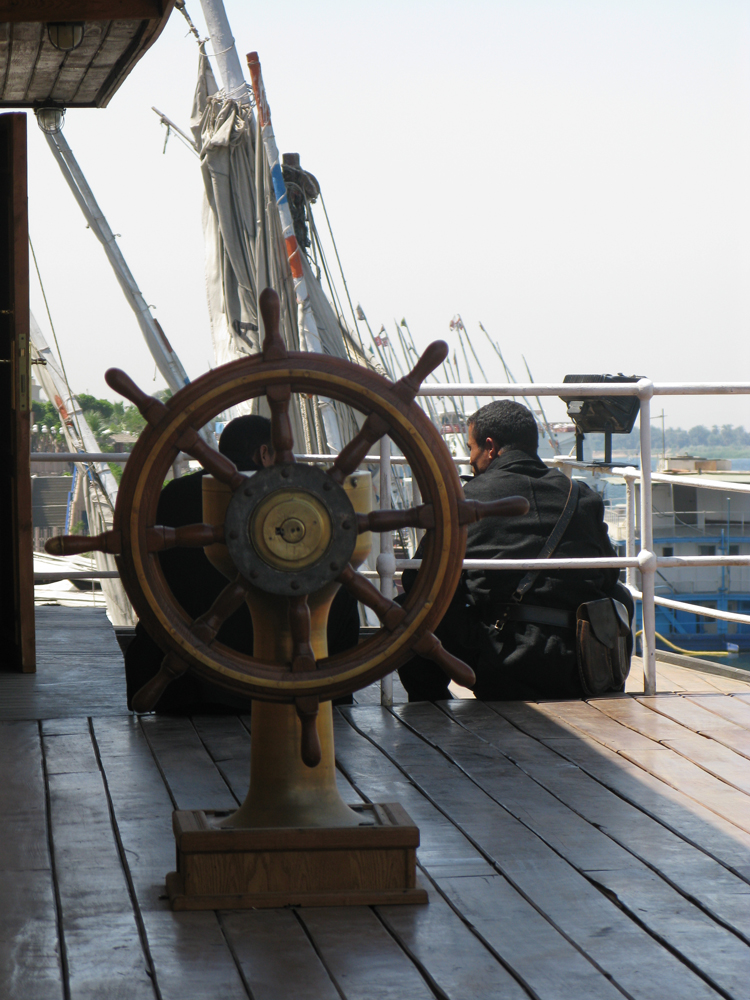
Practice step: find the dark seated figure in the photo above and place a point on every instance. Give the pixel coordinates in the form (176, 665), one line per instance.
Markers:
(528, 650)
(196, 584)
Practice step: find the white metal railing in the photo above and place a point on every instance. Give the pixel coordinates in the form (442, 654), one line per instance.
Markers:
(646, 560)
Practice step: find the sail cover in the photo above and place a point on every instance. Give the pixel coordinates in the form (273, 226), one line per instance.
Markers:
(245, 252)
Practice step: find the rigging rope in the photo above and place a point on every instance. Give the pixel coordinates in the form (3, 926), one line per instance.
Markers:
(688, 652)
(91, 468)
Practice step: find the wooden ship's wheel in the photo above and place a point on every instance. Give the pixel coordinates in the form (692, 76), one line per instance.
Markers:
(287, 537)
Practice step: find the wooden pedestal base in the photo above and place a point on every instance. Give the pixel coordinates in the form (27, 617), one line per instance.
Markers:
(221, 869)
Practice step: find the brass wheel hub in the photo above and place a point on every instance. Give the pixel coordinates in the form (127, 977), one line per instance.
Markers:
(291, 529)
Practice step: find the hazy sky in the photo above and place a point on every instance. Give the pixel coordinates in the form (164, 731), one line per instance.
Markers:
(575, 175)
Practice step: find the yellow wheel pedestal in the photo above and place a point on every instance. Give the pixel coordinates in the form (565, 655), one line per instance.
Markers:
(294, 840)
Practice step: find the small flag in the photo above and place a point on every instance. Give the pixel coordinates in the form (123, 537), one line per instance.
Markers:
(381, 338)
(403, 323)
(360, 313)
(457, 324)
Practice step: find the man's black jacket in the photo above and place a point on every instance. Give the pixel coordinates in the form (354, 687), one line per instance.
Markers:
(514, 473)
(523, 660)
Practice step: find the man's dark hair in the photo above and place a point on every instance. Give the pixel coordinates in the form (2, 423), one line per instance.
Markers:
(508, 423)
(241, 439)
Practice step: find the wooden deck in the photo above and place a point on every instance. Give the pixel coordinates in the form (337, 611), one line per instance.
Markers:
(571, 850)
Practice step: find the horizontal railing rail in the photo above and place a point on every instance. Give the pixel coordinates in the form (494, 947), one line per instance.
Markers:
(646, 561)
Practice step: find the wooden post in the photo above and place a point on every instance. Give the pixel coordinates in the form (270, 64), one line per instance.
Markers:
(16, 552)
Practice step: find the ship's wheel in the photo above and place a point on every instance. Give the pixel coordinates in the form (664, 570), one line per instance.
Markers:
(290, 529)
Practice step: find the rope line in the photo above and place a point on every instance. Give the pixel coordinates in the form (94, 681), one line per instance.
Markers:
(688, 652)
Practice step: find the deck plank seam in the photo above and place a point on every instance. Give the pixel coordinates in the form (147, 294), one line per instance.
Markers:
(321, 957)
(620, 843)
(216, 763)
(491, 861)
(666, 743)
(170, 793)
(430, 982)
(636, 805)
(715, 738)
(604, 890)
(690, 698)
(696, 970)
(464, 920)
(480, 937)
(64, 967)
(467, 923)
(235, 957)
(150, 966)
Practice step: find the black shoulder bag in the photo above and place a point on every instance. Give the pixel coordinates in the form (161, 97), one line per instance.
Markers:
(601, 626)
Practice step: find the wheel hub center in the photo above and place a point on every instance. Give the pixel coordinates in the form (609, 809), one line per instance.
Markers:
(290, 529)
(290, 526)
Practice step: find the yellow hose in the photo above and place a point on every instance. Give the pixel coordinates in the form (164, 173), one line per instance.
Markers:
(688, 652)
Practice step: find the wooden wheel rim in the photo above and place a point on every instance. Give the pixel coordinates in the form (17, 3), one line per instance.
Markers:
(245, 379)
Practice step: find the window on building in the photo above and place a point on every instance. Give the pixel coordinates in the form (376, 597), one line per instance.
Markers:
(707, 550)
(734, 550)
(667, 550)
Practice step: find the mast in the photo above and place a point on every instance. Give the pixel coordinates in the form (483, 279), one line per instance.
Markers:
(225, 51)
(308, 328)
(166, 360)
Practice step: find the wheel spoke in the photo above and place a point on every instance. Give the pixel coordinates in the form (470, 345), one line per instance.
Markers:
(205, 628)
(303, 657)
(213, 461)
(470, 511)
(431, 648)
(352, 455)
(152, 409)
(145, 699)
(190, 441)
(307, 710)
(189, 536)
(433, 355)
(390, 613)
(282, 439)
(391, 520)
(270, 309)
(72, 545)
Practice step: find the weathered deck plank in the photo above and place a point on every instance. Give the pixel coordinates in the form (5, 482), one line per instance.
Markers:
(717, 760)
(97, 911)
(29, 945)
(733, 709)
(189, 953)
(567, 854)
(679, 811)
(636, 962)
(685, 865)
(666, 913)
(700, 720)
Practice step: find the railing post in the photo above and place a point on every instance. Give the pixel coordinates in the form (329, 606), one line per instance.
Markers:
(630, 475)
(416, 500)
(647, 557)
(386, 563)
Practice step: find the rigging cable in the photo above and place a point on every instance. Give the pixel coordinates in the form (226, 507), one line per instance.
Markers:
(90, 466)
(341, 269)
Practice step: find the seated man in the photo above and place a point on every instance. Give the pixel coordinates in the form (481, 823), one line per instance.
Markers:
(196, 584)
(523, 650)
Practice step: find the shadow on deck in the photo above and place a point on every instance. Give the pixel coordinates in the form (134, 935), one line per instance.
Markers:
(570, 849)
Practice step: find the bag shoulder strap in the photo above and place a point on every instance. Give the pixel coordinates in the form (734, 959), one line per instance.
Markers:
(552, 542)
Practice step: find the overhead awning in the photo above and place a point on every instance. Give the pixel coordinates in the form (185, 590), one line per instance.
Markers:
(109, 37)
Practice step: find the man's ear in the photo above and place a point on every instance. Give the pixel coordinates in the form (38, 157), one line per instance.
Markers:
(265, 453)
(492, 448)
